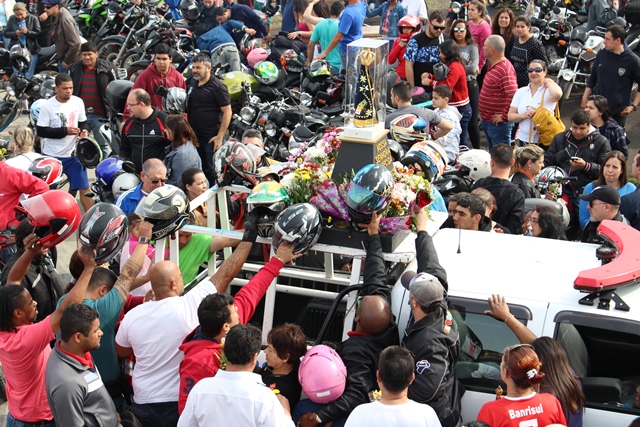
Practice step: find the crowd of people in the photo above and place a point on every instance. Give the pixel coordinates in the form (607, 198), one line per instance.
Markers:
(67, 349)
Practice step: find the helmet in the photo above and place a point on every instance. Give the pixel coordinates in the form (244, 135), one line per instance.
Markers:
(545, 177)
(48, 169)
(55, 214)
(410, 21)
(248, 44)
(617, 21)
(397, 152)
(103, 229)
(47, 89)
(244, 160)
(257, 55)
(320, 68)
(322, 374)
(409, 128)
(369, 191)
(266, 72)
(108, 170)
(167, 208)
(291, 61)
(267, 200)
(430, 156)
(20, 58)
(88, 152)
(223, 173)
(176, 100)
(300, 224)
(123, 183)
(5, 57)
(34, 111)
(189, 10)
(477, 161)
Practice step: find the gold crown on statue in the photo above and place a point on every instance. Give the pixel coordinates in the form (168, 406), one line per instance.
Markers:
(367, 57)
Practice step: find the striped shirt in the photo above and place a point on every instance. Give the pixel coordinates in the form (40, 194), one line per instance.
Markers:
(89, 92)
(498, 88)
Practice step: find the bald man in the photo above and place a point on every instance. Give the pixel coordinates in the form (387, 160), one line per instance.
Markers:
(375, 331)
(154, 331)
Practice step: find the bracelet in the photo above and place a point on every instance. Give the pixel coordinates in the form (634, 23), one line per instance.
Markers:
(507, 319)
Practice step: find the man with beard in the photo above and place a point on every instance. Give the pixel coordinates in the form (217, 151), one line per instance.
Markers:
(209, 109)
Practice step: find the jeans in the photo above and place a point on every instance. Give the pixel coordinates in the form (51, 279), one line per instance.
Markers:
(12, 422)
(466, 112)
(305, 406)
(156, 414)
(94, 122)
(32, 66)
(227, 54)
(497, 134)
(205, 150)
(474, 131)
(61, 69)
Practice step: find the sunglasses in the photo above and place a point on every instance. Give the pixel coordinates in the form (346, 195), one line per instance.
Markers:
(48, 6)
(459, 30)
(437, 28)
(157, 181)
(535, 70)
(513, 347)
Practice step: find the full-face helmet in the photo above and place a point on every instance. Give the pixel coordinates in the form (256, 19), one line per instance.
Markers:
(322, 374)
(48, 169)
(103, 230)
(300, 225)
(55, 215)
(369, 191)
(167, 208)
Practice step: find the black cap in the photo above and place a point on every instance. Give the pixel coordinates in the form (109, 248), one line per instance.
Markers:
(605, 193)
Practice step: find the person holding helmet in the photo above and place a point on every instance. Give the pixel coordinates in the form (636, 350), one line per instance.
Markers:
(401, 101)
(61, 122)
(25, 345)
(220, 43)
(153, 175)
(246, 15)
(408, 26)
(14, 183)
(217, 314)
(91, 76)
(23, 29)
(155, 379)
(209, 112)
(323, 34)
(374, 331)
(158, 73)
(251, 403)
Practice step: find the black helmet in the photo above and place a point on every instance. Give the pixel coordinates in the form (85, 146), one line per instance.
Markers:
(167, 208)
(105, 229)
(300, 225)
(20, 58)
(190, 10)
(5, 57)
(88, 152)
(396, 150)
(47, 89)
(369, 191)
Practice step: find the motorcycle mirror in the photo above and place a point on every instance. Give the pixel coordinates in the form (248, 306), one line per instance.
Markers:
(168, 16)
(556, 10)
(129, 167)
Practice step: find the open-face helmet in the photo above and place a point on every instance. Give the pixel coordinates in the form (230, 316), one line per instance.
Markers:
(430, 156)
(409, 129)
(322, 374)
(48, 169)
(477, 161)
(369, 191)
(267, 200)
(123, 183)
(167, 208)
(300, 225)
(103, 231)
(55, 215)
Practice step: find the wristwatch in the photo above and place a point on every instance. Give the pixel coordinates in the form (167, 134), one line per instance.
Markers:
(143, 240)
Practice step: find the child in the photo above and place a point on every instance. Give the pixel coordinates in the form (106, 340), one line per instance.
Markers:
(407, 27)
(451, 141)
(134, 223)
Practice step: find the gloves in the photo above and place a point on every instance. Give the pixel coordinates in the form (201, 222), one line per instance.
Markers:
(250, 227)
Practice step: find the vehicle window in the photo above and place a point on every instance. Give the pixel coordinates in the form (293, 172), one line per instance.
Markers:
(482, 341)
(604, 352)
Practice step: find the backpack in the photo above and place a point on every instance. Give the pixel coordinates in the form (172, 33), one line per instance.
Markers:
(547, 123)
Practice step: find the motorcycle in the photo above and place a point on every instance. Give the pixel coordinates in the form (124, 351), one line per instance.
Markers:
(90, 18)
(113, 48)
(116, 99)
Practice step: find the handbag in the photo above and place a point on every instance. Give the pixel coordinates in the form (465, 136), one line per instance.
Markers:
(548, 123)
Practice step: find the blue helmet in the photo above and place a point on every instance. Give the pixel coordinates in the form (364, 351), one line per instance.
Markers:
(107, 171)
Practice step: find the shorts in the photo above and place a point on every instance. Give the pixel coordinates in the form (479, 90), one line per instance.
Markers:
(76, 173)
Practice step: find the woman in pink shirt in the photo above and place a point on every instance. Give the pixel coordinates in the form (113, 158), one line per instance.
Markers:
(480, 30)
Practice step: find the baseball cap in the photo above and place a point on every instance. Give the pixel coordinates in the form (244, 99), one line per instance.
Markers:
(605, 193)
(265, 171)
(424, 287)
(51, 2)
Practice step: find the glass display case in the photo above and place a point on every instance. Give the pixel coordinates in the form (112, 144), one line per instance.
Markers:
(366, 88)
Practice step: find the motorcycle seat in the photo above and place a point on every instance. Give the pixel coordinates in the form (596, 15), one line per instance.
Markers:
(302, 133)
(46, 52)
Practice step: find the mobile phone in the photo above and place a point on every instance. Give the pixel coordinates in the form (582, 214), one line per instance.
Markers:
(575, 159)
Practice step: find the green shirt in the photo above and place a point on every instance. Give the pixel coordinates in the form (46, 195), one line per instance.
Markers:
(193, 254)
(323, 33)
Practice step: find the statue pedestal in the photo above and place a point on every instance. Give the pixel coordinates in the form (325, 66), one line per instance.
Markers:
(356, 153)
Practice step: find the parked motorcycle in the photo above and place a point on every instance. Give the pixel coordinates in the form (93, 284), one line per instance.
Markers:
(113, 48)
(91, 17)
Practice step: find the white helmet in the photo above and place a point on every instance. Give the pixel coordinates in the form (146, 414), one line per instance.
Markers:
(548, 176)
(123, 183)
(478, 162)
(34, 111)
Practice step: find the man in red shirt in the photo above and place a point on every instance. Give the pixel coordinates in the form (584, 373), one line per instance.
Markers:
(91, 76)
(24, 346)
(498, 88)
(13, 184)
(159, 73)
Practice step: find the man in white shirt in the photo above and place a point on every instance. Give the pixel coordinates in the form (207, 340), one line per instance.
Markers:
(395, 373)
(416, 8)
(237, 395)
(61, 122)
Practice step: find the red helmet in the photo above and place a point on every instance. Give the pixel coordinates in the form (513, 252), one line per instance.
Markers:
(55, 214)
(410, 21)
(291, 61)
(48, 169)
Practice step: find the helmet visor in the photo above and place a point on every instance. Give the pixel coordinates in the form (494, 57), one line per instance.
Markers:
(365, 201)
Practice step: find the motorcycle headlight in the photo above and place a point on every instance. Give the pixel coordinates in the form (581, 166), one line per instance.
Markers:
(575, 48)
(535, 32)
(271, 129)
(111, 16)
(247, 114)
(456, 7)
(147, 44)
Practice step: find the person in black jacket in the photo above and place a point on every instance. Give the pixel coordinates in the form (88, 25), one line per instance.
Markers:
(433, 337)
(24, 29)
(143, 135)
(529, 163)
(509, 198)
(91, 76)
(246, 15)
(375, 331)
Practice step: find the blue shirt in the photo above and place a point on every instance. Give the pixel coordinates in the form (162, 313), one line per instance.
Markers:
(350, 24)
(243, 13)
(128, 201)
(218, 36)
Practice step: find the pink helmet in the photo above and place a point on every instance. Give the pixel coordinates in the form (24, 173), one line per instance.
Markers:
(322, 374)
(257, 55)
